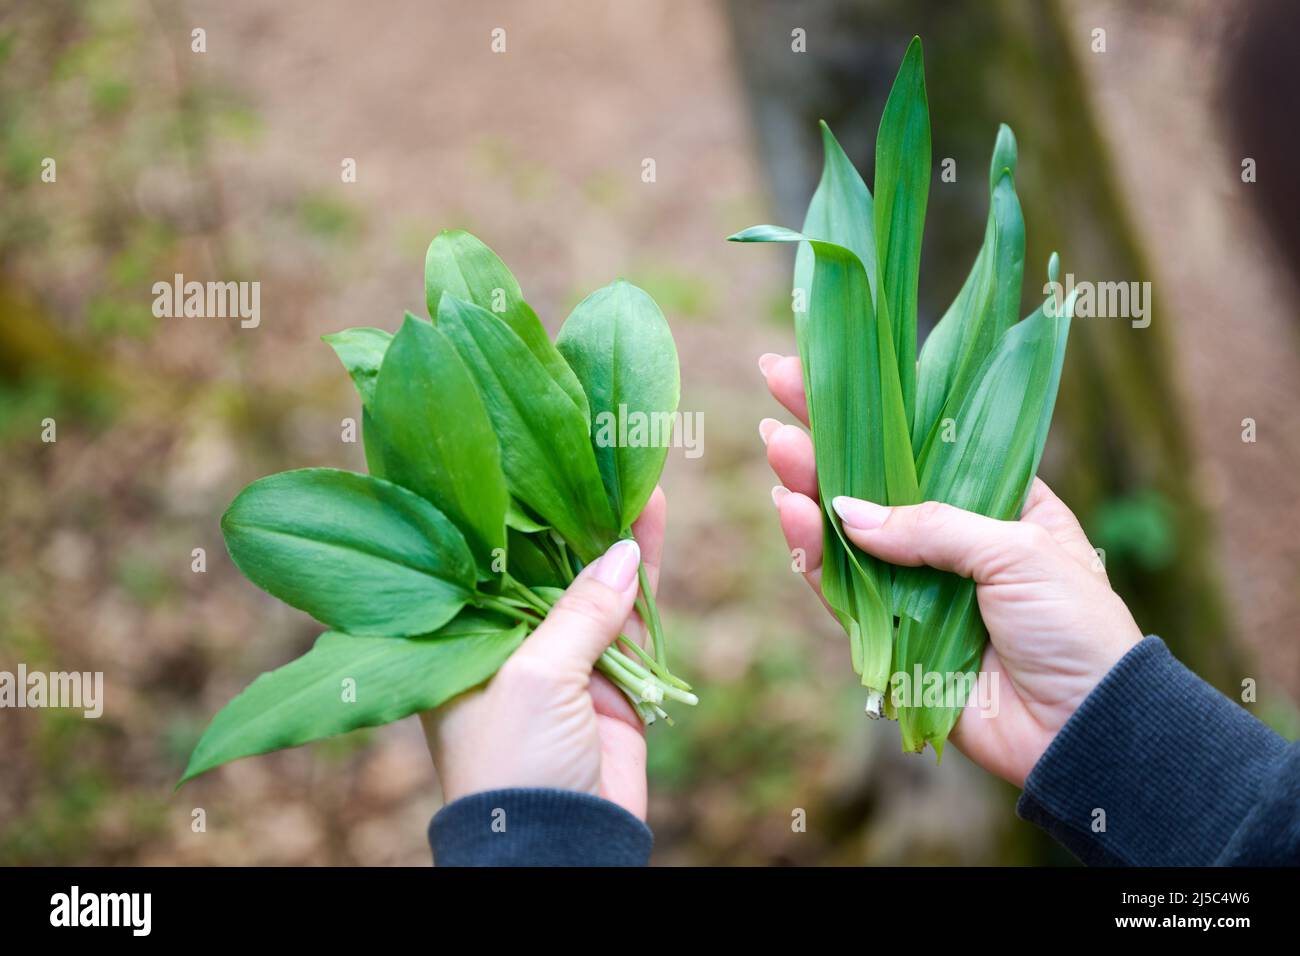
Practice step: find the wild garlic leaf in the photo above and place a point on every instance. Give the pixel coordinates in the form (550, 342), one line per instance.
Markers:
(463, 266)
(546, 449)
(361, 350)
(950, 641)
(987, 305)
(528, 562)
(355, 552)
(902, 191)
(346, 682)
(437, 439)
(840, 212)
(518, 518)
(618, 344)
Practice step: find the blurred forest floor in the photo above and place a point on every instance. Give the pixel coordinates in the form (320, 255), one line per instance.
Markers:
(227, 165)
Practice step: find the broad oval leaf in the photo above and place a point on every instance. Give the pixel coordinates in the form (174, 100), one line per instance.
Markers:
(546, 449)
(618, 344)
(355, 552)
(437, 440)
(392, 678)
(461, 265)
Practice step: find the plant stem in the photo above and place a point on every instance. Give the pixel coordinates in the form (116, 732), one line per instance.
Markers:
(650, 615)
(509, 608)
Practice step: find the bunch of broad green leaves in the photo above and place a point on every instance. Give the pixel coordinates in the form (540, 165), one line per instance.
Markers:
(964, 425)
(493, 479)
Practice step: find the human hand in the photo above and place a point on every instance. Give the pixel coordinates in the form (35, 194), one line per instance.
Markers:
(1055, 626)
(544, 719)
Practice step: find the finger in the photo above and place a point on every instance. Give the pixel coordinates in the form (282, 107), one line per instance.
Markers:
(785, 382)
(649, 531)
(801, 523)
(1043, 507)
(592, 612)
(612, 702)
(943, 537)
(790, 453)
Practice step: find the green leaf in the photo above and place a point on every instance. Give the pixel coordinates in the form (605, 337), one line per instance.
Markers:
(437, 440)
(546, 449)
(902, 189)
(390, 678)
(459, 264)
(355, 552)
(860, 437)
(618, 343)
(518, 518)
(361, 350)
(530, 564)
(987, 305)
(840, 212)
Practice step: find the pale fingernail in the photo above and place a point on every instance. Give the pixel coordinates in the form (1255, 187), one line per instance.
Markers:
(779, 493)
(766, 361)
(617, 566)
(766, 428)
(856, 513)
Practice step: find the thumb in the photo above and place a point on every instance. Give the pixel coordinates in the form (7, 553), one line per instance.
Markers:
(592, 612)
(941, 536)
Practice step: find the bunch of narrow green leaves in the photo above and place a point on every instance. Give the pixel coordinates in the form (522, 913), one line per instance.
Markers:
(964, 425)
(493, 480)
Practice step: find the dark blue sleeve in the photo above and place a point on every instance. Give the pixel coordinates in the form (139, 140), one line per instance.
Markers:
(1157, 768)
(537, 827)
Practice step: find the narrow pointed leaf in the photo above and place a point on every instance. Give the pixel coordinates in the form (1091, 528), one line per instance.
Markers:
(902, 190)
(840, 212)
(391, 678)
(988, 305)
(618, 344)
(437, 439)
(355, 552)
(546, 448)
(461, 265)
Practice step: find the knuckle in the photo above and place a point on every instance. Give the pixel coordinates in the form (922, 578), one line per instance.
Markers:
(931, 514)
(1032, 538)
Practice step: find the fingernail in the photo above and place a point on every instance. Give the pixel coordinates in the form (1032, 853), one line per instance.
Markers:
(766, 427)
(778, 495)
(617, 566)
(856, 513)
(767, 360)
